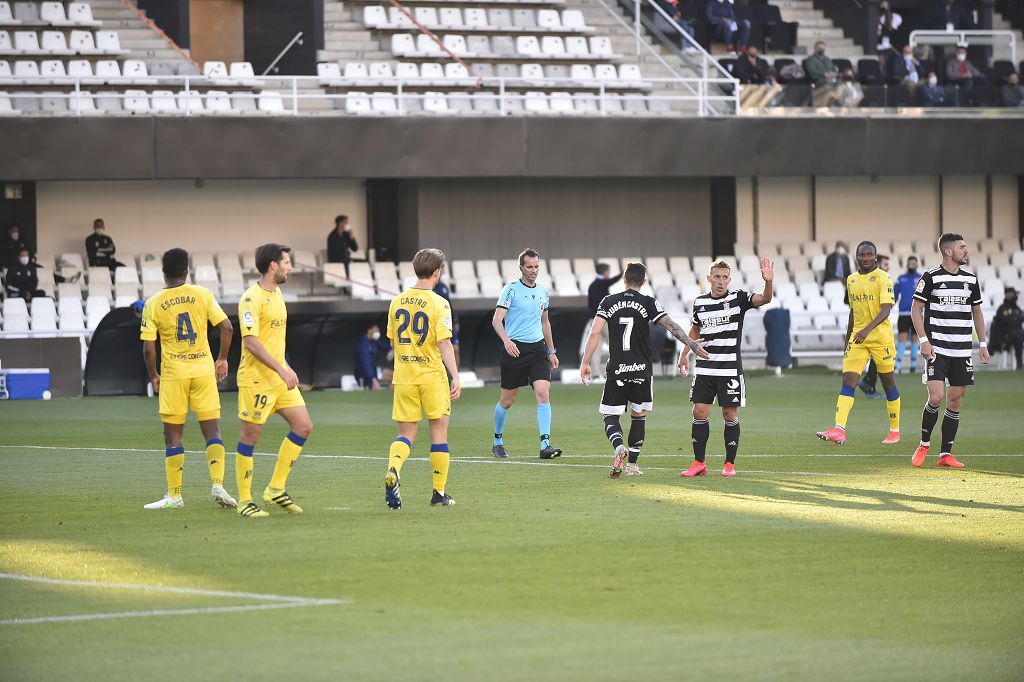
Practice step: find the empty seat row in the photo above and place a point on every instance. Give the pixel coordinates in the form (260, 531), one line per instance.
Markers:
(477, 19)
(139, 101)
(360, 74)
(531, 102)
(56, 43)
(503, 47)
(134, 70)
(46, 14)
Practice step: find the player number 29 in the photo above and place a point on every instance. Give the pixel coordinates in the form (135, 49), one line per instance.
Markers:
(627, 332)
(420, 325)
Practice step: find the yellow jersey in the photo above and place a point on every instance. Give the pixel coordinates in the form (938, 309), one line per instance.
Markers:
(179, 316)
(417, 320)
(262, 314)
(866, 295)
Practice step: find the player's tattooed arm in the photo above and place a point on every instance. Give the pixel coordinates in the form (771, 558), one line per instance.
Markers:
(694, 344)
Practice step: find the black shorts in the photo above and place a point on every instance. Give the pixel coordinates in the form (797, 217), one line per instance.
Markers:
(531, 365)
(730, 391)
(905, 325)
(957, 371)
(638, 393)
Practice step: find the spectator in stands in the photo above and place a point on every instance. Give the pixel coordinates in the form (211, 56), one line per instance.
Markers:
(599, 287)
(903, 70)
(837, 265)
(722, 18)
(341, 243)
(949, 16)
(12, 247)
(753, 70)
(933, 94)
(671, 8)
(442, 290)
(364, 364)
(820, 68)
(100, 247)
(1012, 94)
(21, 280)
(848, 93)
(961, 72)
(888, 23)
(1007, 332)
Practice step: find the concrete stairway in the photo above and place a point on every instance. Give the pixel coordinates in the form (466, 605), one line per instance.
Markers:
(815, 26)
(133, 33)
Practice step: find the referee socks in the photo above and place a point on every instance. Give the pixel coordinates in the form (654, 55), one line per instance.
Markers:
(500, 416)
(543, 423)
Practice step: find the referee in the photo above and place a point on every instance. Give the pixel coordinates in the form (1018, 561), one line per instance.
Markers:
(521, 322)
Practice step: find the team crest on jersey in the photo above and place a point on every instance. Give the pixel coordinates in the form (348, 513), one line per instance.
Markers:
(872, 278)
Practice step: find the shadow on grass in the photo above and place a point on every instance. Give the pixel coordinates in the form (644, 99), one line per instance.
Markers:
(841, 497)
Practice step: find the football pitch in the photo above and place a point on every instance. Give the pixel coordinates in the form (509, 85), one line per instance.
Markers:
(815, 562)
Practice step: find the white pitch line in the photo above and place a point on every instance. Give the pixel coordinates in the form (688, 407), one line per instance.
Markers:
(157, 588)
(278, 601)
(485, 458)
(154, 613)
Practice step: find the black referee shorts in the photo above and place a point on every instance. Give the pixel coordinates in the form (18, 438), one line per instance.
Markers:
(531, 365)
(905, 325)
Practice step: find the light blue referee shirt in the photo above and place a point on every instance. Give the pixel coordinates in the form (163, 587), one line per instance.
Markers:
(525, 306)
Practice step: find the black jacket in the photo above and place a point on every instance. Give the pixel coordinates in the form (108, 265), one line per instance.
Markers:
(20, 279)
(100, 250)
(830, 267)
(1006, 325)
(598, 290)
(750, 73)
(11, 249)
(340, 246)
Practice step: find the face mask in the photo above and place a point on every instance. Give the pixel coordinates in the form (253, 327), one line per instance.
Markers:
(841, 251)
(14, 236)
(933, 81)
(848, 78)
(375, 336)
(961, 58)
(23, 260)
(99, 232)
(820, 53)
(912, 270)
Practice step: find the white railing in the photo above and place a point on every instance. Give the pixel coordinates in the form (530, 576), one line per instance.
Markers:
(706, 66)
(971, 37)
(289, 95)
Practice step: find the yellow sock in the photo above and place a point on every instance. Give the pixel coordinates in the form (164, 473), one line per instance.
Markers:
(215, 459)
(291, 448)
(843, 407)
(174, 466)
(894, 414)
(398, 453)
(439, 459)
(243, 473)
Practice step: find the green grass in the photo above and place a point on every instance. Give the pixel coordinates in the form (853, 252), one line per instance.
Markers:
(815, 562)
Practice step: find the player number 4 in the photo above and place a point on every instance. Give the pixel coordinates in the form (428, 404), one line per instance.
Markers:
(627, 333)
(186, 332)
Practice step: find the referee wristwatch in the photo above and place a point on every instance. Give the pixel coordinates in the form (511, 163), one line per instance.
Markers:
(551, 351)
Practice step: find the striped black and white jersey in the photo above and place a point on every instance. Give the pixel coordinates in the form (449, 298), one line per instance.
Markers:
(721, 326)
(629, 315)
(949, 300)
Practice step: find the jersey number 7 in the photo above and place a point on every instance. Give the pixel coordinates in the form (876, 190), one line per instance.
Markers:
(627, 332)
(420, 325)
(185, 331)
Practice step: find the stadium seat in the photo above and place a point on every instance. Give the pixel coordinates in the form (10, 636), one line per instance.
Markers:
(108, 42)
(435, 102)
(80, 14)
(52, 68)
(136, 101)
(55, 43)
(426, 16)
(271, 102)
(426, 46)
(26, 70)
(524, 19)
(27, 42)
(553, 47)
(432, 73)
(456, 44)
(328, 73)
(6, 15)
(375, 16)
(108, 69)
(72, 320)
(163, 101)
(573, 19)
(215, 70)
(96, 308)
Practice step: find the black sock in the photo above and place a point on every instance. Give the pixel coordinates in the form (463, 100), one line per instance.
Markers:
(637, 431)
(950, 422)
(928, 419)
(699, 435)
(732, 440)
(613, 430)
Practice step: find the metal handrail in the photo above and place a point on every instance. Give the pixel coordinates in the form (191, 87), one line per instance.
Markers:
(937, 37)
(296, 39)
(501, 84)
